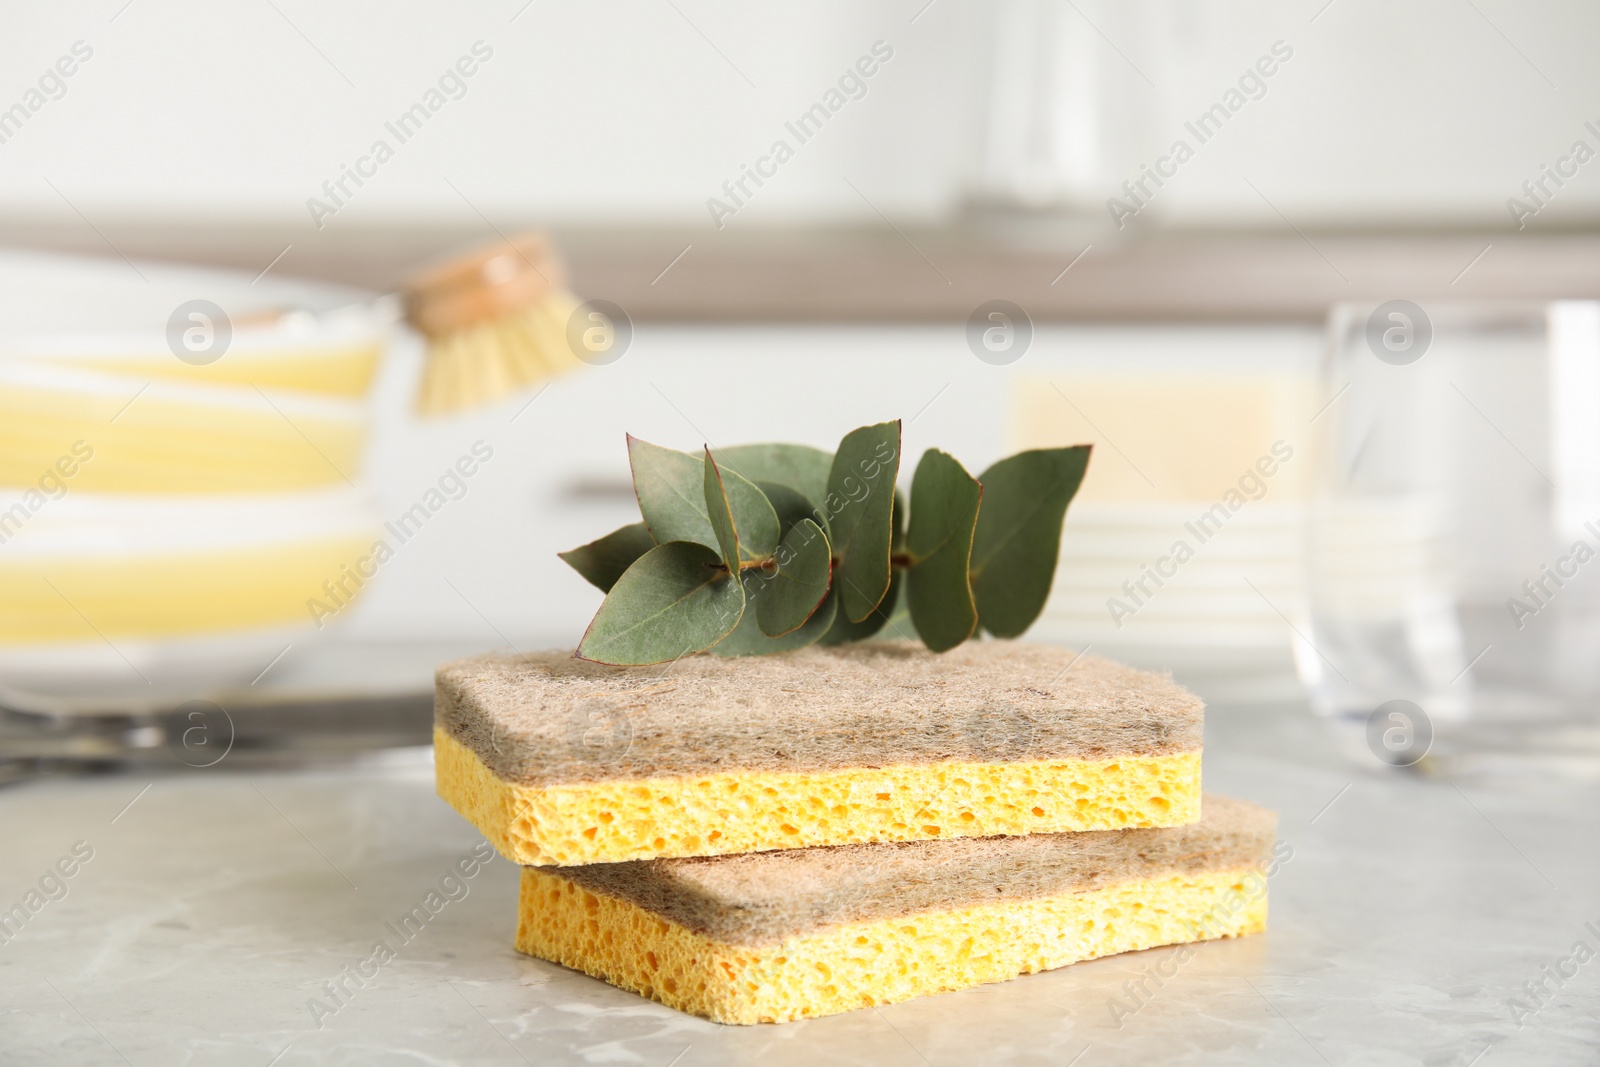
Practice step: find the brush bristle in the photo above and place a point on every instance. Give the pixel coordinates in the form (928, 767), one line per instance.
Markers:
(490, 360)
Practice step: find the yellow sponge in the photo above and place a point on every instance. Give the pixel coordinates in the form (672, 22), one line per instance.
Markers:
(562, 762)
(717, 814)
(791, 935)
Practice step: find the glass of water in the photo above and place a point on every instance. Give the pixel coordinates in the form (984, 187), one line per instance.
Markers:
(1453, 545)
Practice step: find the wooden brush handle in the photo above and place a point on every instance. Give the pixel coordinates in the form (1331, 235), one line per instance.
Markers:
(483, 284)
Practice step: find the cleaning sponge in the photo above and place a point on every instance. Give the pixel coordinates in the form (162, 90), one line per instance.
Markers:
(776, 936)
(560, 761)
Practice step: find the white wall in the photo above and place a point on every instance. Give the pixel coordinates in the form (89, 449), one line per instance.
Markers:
(600, 112)
(1416, 114)
(1402, 114)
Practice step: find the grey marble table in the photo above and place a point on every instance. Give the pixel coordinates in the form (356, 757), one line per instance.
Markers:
(218, 905)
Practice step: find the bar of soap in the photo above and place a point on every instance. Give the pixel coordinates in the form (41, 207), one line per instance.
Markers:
(559, 761)
(777, 936)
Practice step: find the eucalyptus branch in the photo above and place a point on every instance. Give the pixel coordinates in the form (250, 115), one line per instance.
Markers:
(686, 576)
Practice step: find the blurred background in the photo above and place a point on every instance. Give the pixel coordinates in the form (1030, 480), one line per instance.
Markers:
(1314, 278)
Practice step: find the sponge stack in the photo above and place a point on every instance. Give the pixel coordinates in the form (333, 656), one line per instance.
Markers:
(781, 837)
(560, 761)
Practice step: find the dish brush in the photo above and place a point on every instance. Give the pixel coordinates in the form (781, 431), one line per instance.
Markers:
(496, 320)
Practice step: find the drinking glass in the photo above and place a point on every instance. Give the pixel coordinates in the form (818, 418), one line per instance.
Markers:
(1453, 545)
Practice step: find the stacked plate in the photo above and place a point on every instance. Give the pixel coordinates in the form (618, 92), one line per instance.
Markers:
(1185, 548)
(1159, 583)
(170, 525)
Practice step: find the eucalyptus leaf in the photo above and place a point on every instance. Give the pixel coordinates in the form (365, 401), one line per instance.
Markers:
(721, 514)
(944, 511)
(797, 466)
(602, 562)
(670, 486)
(748, 640)
(791, 506)
(674, 601)
(1018, 536)
(787, 597)
(860, 505)
(899, 627)
(844, 630)
(753, 516)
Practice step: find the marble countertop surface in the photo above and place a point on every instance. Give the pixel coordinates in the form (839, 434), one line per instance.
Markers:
(205, 911)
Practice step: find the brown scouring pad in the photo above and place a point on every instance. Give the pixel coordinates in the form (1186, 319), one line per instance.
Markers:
(560, 761)
(775, 936)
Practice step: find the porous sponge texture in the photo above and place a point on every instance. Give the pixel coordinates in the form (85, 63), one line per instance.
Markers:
(719, 813)
(546, 719)
(761, 898)
(857, 965)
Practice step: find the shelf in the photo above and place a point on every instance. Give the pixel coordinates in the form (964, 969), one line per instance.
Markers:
(912, 275)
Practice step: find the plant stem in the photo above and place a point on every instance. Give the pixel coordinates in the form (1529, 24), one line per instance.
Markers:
(770, 563)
